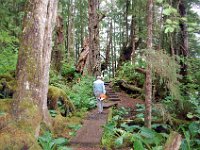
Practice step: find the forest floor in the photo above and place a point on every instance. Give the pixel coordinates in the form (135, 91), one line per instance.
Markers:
(89, 136)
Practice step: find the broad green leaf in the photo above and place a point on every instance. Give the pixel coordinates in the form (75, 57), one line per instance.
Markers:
(158, 148)
(119, 141)
(166, 30)
(171, 29)
(159, 1)
(167, 11)
(60, 141)
(173, 10)
(169, 21)
(148, 133)
(138, 145)
(64, 148)
(190, 115)
(2, 113)
(184, 18)
(190, 29)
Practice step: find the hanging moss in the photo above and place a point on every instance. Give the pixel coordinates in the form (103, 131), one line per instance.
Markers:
(167, 68)
(54, 96)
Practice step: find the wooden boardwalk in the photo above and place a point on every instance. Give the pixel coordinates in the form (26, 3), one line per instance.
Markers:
(89, 136)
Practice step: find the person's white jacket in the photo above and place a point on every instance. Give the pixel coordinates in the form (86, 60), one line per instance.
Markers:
(98, 87)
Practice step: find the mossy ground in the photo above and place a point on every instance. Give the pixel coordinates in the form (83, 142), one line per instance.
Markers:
(18, 134)
(60, 125)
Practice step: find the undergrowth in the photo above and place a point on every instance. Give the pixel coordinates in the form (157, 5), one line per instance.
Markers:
(119, 133)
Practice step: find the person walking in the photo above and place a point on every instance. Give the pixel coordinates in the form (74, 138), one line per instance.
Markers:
(98, 89)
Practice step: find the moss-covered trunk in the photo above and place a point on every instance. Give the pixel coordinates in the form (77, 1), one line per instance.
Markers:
(30, 99)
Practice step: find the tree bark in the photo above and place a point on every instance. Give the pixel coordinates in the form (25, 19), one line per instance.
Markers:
(70, 36)
(34, 62)
(126, 21)
(94, 67)
(83, 57)
(58, 50)
(184, 38)
(148, 83)
(108, 47)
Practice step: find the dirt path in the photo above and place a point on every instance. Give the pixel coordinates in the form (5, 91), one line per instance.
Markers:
(89, 136)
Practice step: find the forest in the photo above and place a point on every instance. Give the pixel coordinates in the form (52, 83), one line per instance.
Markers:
(146, 51)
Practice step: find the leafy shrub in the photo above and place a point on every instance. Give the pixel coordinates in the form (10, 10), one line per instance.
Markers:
(191, 136)
(116, 135)
(74, 128)
(68, 71)
(48, 143)
(8, 61)
(128, 73)
(81, 93)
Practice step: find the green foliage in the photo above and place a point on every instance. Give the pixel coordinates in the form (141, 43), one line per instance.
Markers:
(10, 27)
(56, 79)
(81, 93)
(48, 143)
(191, 136)
(67, 69)
(167, 68)
(8, 61)
(128, 73)
(53, 113)
(74, 128)
(117, 134)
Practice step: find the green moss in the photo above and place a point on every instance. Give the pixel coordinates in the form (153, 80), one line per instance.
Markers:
(59, 126)
(54, 95)
(7, 85)
(12, 138)
(7, 77)
(30, 116)
(5, 105)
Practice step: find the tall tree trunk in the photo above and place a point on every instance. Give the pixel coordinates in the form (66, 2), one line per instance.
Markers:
(133, 42)
(184, 38)
(126, 21)
(148, 83)
(108, 47)
(70, 36)
(30, 99)
(58, 50)
(114, 48)
(94, 67)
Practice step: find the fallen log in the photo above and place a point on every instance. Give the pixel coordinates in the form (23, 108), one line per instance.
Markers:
(173, 121)
(131, 87)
